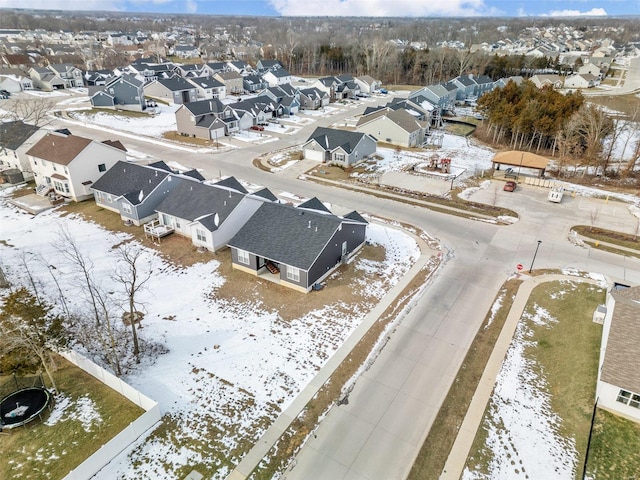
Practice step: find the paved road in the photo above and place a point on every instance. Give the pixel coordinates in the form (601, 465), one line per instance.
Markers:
(377, 435)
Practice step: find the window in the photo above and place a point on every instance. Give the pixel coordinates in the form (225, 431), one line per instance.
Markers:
(293, 273)
(243, 257)
(102, 167)
(109, 198)
(201, 235)
(339, 157)
(628, 398)
(126, 208)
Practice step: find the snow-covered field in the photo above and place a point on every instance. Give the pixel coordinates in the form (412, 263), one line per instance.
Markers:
(230, 367)
(153, 126)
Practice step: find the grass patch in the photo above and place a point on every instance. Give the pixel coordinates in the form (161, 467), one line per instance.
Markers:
(626, 240)
(615, 448)
(200, 142)
(113, 113)
(43, 451)
(459, 129)
(610, 249)
(434, 451)
(565, 353)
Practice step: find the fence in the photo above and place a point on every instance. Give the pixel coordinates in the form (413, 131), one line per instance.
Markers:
(126, 437)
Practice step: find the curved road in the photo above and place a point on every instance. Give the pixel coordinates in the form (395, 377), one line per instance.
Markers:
(378, 434)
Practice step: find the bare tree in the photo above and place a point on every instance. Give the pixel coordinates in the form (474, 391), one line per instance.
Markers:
(593, 217)
(29, 327)
(34, 111)
(67, 245)
(132, 277)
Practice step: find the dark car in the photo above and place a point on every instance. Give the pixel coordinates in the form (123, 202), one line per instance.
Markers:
(509, 186)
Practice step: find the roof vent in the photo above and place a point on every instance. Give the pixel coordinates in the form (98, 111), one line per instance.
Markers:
(309, 224)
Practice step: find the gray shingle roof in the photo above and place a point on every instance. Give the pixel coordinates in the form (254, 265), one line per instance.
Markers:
(285, 234)
(132, 181)
(175, 84)
(265, 193)
(233, 183)
(314, 204)
(192, 200)
(331, 139)
(14, 134)
(202, 107)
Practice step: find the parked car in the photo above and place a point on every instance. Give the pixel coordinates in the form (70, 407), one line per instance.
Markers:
(259, 128)
(509, 186)
(5, 93)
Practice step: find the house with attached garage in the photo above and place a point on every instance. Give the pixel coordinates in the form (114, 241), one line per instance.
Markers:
(176, 90)
(14, 82)
(368, 84)
(72, 75)
(134, 191)
(254, 83)
(210, 214)
(68, 165)
(581, 80)
(396, 127)
(297, 247)
(313, 99)
(203, 119)
(16, 138)
(340, 147)
(618, 387)
(125, 92)
(232, 81)
(46, 80)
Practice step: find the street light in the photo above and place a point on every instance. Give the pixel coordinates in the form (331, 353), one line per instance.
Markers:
(534, 255)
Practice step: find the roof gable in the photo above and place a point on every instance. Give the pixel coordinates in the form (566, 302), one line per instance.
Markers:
(60, 149)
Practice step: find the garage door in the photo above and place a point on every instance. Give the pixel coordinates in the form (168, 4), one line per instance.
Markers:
(314, 155)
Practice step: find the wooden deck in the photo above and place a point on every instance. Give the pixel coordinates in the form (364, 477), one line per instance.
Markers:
(156, 231)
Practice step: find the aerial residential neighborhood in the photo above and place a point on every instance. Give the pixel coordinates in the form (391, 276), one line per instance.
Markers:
(276, 244)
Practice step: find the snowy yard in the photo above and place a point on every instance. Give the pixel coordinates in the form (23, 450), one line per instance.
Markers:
(538, 418)
(151, 125)
(232, 362)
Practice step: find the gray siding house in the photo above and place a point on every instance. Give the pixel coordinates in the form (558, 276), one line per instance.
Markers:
(298, 247)
(125, 92)
(134, 191)
(201, 119)
(341, 147)
(175, 90)
(209, 214)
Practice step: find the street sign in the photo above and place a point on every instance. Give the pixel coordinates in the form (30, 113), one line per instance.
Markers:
(519, 267)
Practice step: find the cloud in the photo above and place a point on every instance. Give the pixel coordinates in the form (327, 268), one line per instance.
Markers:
(594, 12)
(191, 6)
(381, 8)
(64, 4)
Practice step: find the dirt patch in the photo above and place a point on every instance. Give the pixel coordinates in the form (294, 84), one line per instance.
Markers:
(200, 142)
(291, 304)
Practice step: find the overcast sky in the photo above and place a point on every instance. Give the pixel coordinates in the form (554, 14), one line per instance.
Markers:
(385, 8)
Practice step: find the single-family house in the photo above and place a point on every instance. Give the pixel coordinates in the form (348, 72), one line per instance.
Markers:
(239, 66)
(485, 84)
(277, 76)
(341, 147)
(125, 92)
(208, 87)
(551, 80)
(186, 51)
(232, 81)
(16, 138)
(419, 107)
(297, 247)
(590, 68)
(215, 67)
(368, 84)
(202, 119)
(439, 96)
(175, 90)
(581, 80)
(252, 111)
(264, 65)
(14, 83)
(210, 215)
(71, 75)
(618, 387)
(287, 101)
(69, 164)
(397, 127)
(134, 191)
(313, 98)
(191, 70)
(45, 80)
(328, 85)
(97, 78)
(254, 83)
(467, 88)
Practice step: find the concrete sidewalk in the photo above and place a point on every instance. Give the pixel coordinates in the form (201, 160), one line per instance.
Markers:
(457, 459)
(251, 460)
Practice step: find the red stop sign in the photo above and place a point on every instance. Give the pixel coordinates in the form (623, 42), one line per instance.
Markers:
(519, 267)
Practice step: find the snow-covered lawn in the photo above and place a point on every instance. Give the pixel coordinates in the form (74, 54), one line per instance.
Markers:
(152, 125)
(231, 367)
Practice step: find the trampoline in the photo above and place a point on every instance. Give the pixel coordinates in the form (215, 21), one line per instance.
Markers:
(23, 406)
